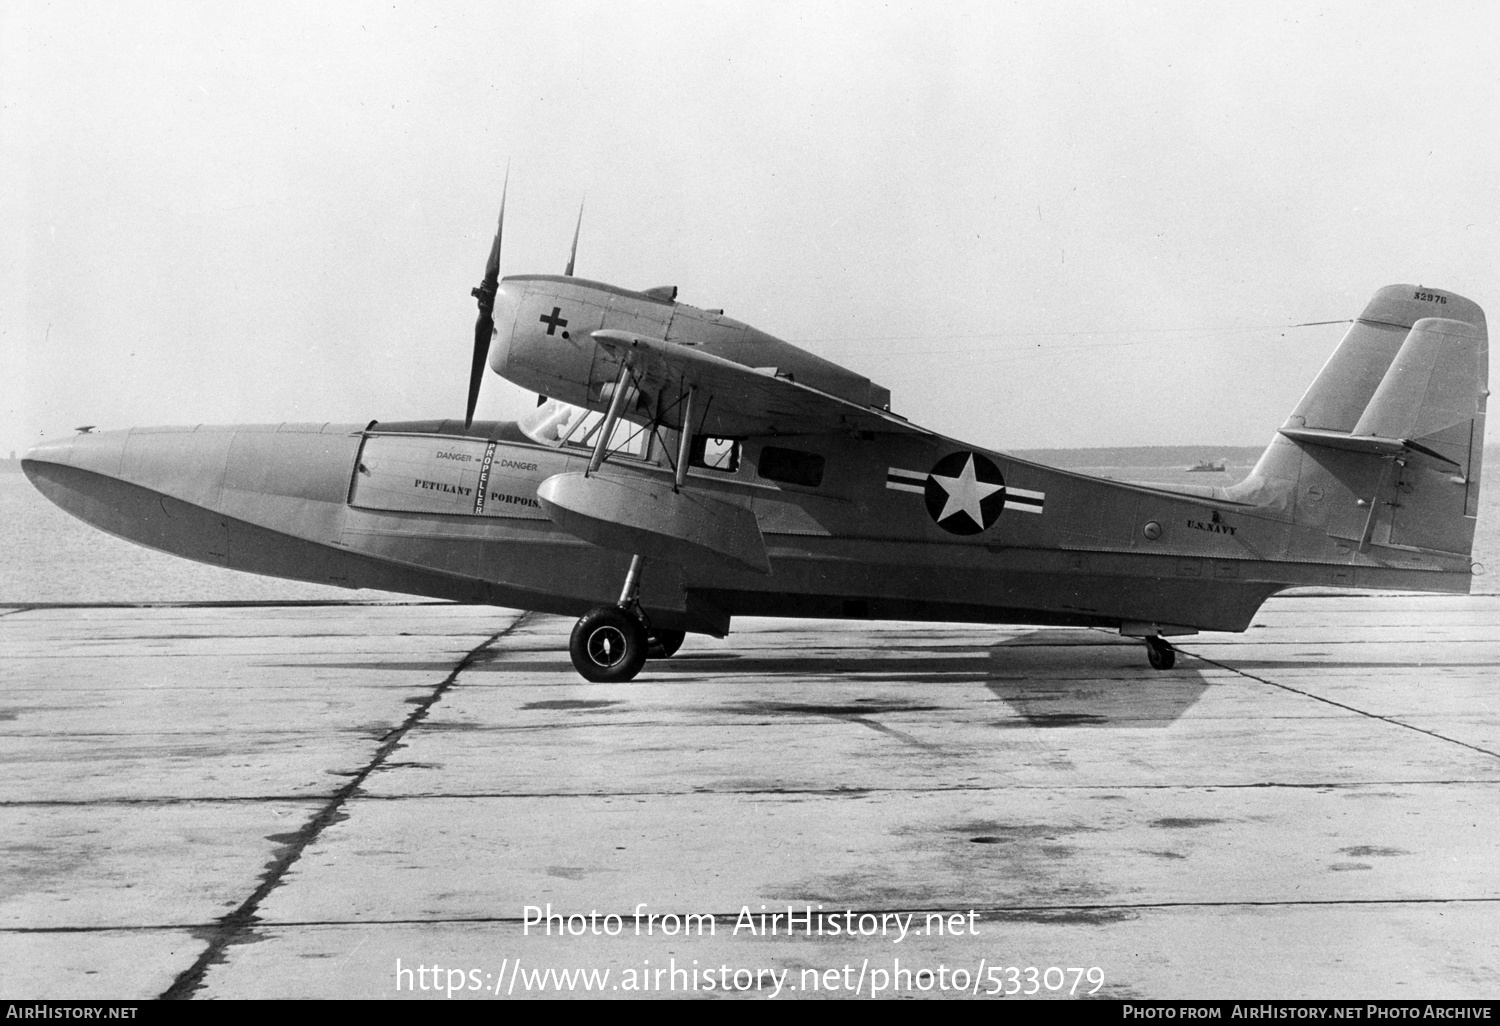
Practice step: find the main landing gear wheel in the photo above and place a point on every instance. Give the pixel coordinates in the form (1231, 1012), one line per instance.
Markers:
(608, 645)
(662, 644)
(1161, 653)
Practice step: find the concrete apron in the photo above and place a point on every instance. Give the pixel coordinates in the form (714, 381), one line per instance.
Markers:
(284, 801)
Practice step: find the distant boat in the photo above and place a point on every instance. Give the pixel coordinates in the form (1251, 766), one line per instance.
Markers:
(1209, 467)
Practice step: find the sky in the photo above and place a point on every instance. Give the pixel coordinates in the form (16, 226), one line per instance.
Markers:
(1038, 223)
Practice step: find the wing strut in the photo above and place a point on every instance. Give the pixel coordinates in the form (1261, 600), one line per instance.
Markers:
(685, 441)
(607, 429)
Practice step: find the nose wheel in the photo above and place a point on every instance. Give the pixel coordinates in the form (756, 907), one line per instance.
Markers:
(1160, 653)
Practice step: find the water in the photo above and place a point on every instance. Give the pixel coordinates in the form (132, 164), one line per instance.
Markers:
(48, 556)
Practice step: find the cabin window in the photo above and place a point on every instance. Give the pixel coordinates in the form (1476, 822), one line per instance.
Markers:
(558, 423)
(715, 454)
(627, 439)
(552, 422)
(791, 466)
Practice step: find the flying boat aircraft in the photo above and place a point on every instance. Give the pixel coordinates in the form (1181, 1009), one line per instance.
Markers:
(683, 468)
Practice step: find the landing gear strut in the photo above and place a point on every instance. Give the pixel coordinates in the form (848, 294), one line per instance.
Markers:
(1160, 652)
(610, 644)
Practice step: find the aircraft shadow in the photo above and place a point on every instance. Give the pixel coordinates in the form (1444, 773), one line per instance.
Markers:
(444, 667)
(1059, 679)
(1048, 678)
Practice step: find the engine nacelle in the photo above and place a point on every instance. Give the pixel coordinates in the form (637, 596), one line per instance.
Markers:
(544, 324)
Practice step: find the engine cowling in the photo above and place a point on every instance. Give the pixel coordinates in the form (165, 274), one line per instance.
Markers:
(544, 323)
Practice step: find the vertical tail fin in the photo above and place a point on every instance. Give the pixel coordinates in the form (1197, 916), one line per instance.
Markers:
(1386, 447)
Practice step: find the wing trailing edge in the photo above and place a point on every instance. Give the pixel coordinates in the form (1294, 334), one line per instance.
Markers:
(740, 401)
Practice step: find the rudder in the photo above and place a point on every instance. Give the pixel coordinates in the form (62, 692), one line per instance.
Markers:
(1386, 447)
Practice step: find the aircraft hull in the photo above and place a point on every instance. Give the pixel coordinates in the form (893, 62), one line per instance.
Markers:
(358, 508)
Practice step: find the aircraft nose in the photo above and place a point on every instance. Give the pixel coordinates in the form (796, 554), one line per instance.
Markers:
(58, 450)
(43, 464)
(79, 473)
(99, 452)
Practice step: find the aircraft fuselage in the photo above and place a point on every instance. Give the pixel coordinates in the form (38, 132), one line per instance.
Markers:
(405, 511)
(869, 518)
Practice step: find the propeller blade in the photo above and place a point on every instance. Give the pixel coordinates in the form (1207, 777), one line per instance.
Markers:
(483, 328)
(484, 292)
(572, 256)
(492, 265)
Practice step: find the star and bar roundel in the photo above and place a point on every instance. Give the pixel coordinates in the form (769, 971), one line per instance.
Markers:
(964, 492)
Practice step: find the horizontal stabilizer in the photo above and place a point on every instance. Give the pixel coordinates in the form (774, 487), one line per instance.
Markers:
(647, 517)
(1372, 444)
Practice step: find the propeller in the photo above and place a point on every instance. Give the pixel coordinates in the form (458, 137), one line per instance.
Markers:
(484, 327)
(574, 254)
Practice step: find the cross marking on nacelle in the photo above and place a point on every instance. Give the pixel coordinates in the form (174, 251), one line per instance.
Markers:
(553, 321)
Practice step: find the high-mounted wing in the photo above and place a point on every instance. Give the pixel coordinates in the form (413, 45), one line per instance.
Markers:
(718, 398)
(735, 401)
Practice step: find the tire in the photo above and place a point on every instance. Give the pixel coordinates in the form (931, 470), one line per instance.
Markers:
(1161, 654)
(608, 645)
(664, 644)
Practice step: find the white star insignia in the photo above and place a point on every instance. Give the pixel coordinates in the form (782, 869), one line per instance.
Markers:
(965, 493)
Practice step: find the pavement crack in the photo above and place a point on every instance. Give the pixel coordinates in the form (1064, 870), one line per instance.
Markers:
(1341, 705)
(899, 735)
(234, 927)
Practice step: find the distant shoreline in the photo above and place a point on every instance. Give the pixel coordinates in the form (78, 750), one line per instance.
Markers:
(1180, 456)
